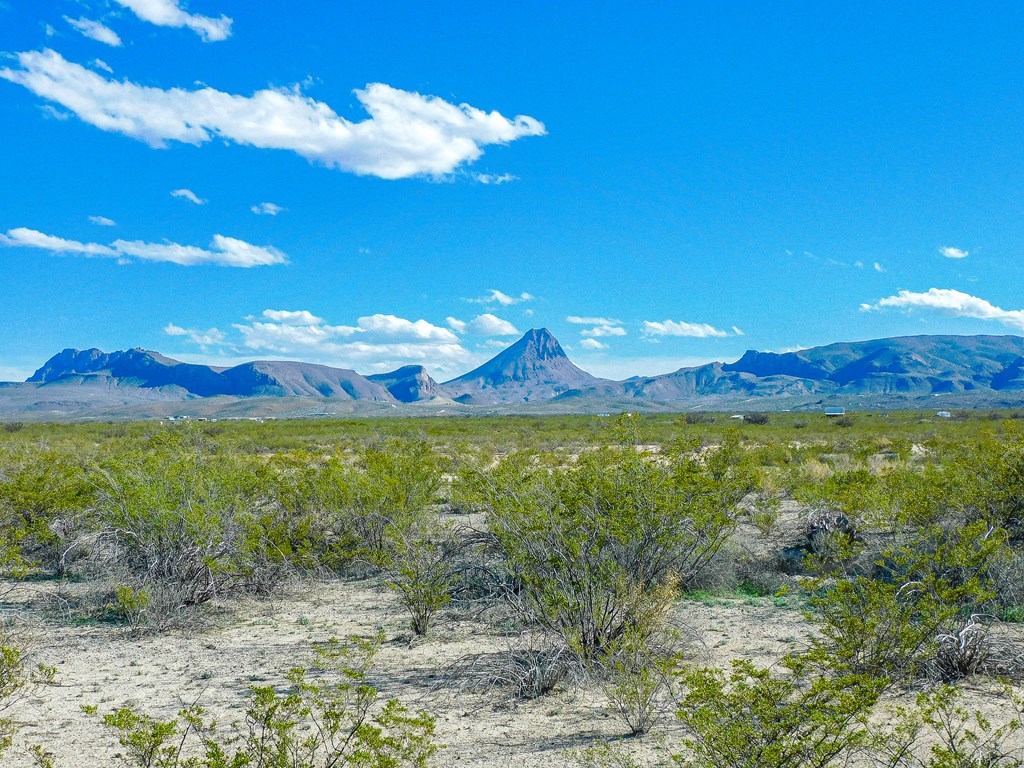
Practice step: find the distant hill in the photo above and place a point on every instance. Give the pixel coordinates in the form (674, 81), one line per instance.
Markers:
(532, 375)
(534, 368)
(149, 370)
(410, 384)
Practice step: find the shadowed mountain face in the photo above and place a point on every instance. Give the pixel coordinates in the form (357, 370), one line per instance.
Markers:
(534, 368)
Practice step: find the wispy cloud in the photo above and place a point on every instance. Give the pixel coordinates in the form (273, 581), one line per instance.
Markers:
(95, 30)
(102, 221)
(223, 251)
(602, 326)
(497, 297)
(879, 267)
(577, 320)
(681, 328)
(188, 194)
(407, 134)
(168, 13)
(592, 344)
(266, 209)
(954, 253)
(950, 302)
(494, 179)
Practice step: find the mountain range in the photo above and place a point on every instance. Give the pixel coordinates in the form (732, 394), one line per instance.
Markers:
(532, 373)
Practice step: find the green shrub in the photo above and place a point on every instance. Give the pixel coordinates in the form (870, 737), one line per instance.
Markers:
(751, 718)
(419, 566)
(588, 546)
(887, 626)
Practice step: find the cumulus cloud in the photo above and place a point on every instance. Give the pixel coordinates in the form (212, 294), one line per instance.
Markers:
(497, 297)
(491, 325)
(223, 251)
(879, 267)
(397, 327)
(407, 134)
(593, 344)
(293, 317)
(207, 338)
(168, 13)
(379, 341)
(95, 31)
(679, 328)
(950, 302)
(954, 253)
(483, 325)
(102, 221)
(266, 209)
(188, 194)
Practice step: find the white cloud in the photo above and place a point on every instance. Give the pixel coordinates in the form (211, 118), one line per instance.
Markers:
(593, 344)
(604, 330)
(576, 320)
(30, 238)
(490, 178)
(102, 221)
(188, 194)
(266, 209)
(380, 342)
(491, 325)
(398, 327)
(293, 317)
(95, 31)
(879, 267)
(679, 328)
(497, 297)
(407, 134)
(456, 324)
(209, 337)
(168, 13)
(951, 302)
(223, 251)
(737, 332)
(954, 253)
(101, 64)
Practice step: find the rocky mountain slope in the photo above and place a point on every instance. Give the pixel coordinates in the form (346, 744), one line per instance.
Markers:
(534, 368)
(535, 372)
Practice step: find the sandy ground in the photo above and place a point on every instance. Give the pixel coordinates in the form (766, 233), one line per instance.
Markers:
(257, 642)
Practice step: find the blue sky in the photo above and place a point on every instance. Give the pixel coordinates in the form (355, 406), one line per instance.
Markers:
(371, 184)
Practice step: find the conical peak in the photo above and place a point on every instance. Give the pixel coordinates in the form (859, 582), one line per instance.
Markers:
(542, 343)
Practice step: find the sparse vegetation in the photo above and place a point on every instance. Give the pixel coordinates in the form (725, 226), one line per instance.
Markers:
(568, 543)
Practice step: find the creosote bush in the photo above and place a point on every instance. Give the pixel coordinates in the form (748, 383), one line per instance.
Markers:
(752, 718)
(591, 547)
